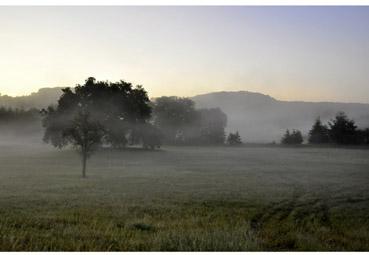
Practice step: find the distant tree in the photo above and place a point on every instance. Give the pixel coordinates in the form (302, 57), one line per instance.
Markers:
(93, 113)
(297, 137)
(234, 139)
(116, 133)
(319, 133)
(292, 138)
(151, 136)
(286, 138)
(342, 130)
(181, 123)
(16, 115)
(212, 123)
(363, 136)
(173, 115)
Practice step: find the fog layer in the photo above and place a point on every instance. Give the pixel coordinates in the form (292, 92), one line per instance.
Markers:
(261, 118)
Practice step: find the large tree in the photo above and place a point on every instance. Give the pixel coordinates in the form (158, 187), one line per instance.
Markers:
(93, 113)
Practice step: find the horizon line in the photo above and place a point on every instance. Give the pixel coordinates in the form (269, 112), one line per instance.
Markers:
(206, 93)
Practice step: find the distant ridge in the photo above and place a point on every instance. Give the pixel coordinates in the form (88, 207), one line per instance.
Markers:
(40, 99)
(223, 97)
(260, 95)
(258, 117)
(261, 118)
(240, 93)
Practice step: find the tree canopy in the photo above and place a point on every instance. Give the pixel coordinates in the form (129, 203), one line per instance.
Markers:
(343, 130)
(173, 115)
(319, 133)
(234, 139)
(211, 124)
(294, 137)
(94, 113)
(182, 123)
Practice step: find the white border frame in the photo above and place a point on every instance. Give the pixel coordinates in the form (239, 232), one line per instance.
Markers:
(186, 2)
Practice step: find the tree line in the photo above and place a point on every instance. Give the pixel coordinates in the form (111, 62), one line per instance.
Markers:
(129, 117)
(182, 123)
(18, 115)
(118, 114)
(340, 130)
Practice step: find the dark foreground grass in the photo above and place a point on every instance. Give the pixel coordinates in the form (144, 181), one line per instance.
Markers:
(185, 199)
(212, 226)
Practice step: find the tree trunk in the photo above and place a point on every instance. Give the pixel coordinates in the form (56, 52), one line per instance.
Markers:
(84, 160)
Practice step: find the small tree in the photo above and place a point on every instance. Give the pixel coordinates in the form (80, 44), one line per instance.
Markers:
(292, 138)
(342, 130)
(85, 135)
(286, 137)
(318, 133)
(234, 139)
(297, 137)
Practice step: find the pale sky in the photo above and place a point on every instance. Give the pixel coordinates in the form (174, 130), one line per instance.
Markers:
(290, 53)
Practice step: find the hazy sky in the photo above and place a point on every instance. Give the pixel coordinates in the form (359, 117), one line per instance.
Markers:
(291, 53)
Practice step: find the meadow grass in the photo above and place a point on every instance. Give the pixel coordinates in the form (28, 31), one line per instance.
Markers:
(185, 198)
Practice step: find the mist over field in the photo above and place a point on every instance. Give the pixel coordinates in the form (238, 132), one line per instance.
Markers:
(184, 199)
(200, 189)
(259, 118)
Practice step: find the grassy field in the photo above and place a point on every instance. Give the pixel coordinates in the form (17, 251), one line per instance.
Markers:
(185, 198)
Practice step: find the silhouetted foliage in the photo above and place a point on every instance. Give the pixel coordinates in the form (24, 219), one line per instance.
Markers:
(19, 122)
(343, 130)
(181, 123)
(319, 133)
(96, 113)
(151, 136)
(363, 136)
(172, 115)
(234, 139)
(9, 115)
(212, 123)
(116, 133)
(292, 138)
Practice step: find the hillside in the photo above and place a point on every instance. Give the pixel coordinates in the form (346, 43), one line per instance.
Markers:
(40, 99)
(261, 118)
